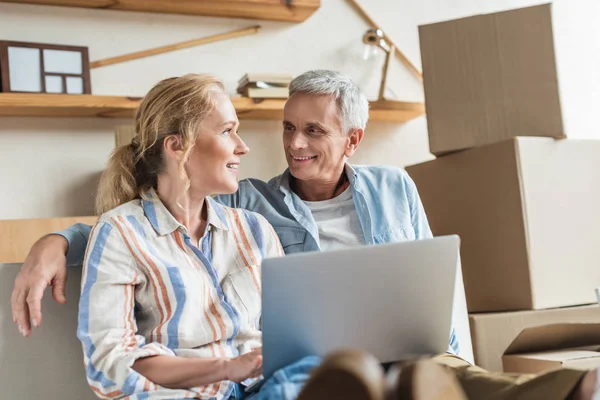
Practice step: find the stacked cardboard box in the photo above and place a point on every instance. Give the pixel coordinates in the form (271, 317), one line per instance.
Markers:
(500, 90)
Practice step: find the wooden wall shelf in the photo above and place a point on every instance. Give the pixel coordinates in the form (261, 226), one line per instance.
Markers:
(274, 10)
(61, 105)
(18, 235)
(395, 111)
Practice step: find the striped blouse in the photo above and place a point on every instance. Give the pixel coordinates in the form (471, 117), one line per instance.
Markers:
(148, 290)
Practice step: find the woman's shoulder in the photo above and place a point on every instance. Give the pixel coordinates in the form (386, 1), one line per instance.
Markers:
(251, 218)
(132, 208)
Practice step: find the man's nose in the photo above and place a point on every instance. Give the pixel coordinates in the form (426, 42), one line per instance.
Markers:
(298, 141)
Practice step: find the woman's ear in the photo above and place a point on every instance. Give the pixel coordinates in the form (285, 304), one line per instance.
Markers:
(173, 147)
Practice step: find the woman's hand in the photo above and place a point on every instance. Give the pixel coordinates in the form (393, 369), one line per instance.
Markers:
(246, 366)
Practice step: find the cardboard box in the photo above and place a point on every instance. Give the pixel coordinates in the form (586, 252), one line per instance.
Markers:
(492, 333)
(528, 214)
(543, 348)
(527, 72)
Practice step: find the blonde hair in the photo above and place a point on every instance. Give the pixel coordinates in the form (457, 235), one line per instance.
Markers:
(175, 106)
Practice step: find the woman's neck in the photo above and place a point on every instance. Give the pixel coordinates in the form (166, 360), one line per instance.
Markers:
(188, 208)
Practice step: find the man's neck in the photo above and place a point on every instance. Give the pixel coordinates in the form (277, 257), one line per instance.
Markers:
(319, 190)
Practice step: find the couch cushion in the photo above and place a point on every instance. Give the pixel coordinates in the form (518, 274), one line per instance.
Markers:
(49, 364)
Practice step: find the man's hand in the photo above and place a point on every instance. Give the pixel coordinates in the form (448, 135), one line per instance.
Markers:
(246, 366)
(45, 265)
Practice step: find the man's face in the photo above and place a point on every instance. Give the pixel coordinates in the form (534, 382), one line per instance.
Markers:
(314, 144)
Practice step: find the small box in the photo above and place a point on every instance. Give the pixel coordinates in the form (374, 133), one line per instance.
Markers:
(527, 212)
(492, 333)
(543, 348)
(533, 71)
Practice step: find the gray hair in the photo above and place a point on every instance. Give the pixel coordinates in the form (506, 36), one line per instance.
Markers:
(352, 103)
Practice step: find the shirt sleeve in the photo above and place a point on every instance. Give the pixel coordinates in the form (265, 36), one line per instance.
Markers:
(273, 247)
(418, 217)
(77, 236)
(107, 327)
(453, 346)
(229, 200)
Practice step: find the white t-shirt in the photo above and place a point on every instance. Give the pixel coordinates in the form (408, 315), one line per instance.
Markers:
(338, 223)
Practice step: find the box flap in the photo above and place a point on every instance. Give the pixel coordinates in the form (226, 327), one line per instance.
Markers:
(562, 355)
(492, 333)
(554, 337)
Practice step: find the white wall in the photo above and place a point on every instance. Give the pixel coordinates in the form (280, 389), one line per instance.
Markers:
(49, 166)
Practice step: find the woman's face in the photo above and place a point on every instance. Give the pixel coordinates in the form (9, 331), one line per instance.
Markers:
(214, 161)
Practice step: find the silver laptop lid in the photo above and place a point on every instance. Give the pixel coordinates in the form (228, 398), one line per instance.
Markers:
(392, 300)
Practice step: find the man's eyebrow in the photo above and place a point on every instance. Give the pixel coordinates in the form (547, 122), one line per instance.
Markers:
(317, 124)
(309, 124)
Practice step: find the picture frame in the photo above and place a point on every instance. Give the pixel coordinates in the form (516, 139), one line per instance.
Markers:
(27, 67)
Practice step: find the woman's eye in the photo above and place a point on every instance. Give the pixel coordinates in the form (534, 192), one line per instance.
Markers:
(226, 132)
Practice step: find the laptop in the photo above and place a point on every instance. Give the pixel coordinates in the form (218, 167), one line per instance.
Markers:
(391, 300)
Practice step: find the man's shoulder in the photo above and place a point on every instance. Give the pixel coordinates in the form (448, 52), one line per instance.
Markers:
(249, 191)
(275, 181)
(255, 195)
(252, 187)
(382, 173)
(256, 183)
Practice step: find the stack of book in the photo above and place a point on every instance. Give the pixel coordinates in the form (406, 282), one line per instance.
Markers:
(264, 86)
